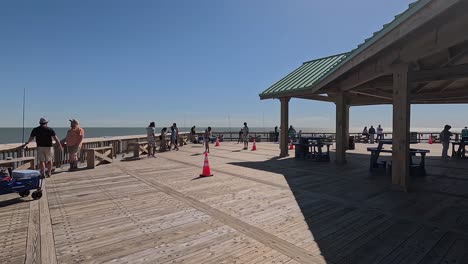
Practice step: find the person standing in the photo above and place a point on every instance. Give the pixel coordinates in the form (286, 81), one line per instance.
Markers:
(151, 138)
(291, 133)
(464, 134)
(380, 134)
(276, 134)
(245, 135)
(445, 139)
(174, 136)
(193, 135)
(366, 134)
(44, 136)
(371, 134)
(162, 140)
(206, 139)
(240, 136)
(74, 139)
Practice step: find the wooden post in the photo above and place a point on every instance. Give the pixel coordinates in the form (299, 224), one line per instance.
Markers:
(342, 123)
(284, 126)
(347, 126)
(401, 128)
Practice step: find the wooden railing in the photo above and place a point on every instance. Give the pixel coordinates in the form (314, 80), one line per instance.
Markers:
(422, 137)
(120, 145)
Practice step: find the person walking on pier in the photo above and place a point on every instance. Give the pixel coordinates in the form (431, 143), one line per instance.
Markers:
(445, 139)
(74, 140)
(174, 136)
(245, 135)
(206, 139)
(151, 137)
(44, 136)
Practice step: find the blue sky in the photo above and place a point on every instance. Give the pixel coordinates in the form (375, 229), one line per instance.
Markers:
(125, 63)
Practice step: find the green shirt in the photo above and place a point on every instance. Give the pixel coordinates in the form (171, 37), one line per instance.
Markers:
(464, 132)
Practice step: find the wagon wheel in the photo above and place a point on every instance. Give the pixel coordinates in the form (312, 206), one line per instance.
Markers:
(24, 193)
(36, 195)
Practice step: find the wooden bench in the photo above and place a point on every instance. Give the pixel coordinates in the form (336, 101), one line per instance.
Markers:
(102, 155)
(139, 148)
(25, 163)
(182, 140)
(416, 169)
(460, 151)
(313, 150)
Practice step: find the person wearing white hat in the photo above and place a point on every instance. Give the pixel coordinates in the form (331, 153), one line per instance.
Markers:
(74, 140)
(44, 136)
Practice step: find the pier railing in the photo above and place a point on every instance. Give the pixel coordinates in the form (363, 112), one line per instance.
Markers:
(121, 145)
(420, 137)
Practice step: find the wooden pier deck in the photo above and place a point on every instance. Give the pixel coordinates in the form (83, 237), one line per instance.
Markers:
(255, 209)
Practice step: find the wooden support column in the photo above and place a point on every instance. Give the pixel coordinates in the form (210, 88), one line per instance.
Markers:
(347, 127)
(342, 123)
(284, 127)
(401, 128)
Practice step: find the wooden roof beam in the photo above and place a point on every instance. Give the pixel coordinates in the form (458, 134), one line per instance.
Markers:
(440, 95)
(376, 94)
(452, 59)
(446, 73)
(316, 97)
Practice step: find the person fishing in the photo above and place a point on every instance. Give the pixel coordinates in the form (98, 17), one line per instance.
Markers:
(44, 136)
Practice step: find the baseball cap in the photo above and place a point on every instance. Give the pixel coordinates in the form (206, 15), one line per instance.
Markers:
(74, 121)
(43, 121)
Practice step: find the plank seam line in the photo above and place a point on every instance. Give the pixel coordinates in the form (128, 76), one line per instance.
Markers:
(47, 234)
(253, 232)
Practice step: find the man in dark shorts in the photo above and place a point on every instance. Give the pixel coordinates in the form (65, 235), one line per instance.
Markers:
(44, 135)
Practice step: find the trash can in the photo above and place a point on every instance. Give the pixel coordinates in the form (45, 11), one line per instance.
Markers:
(351, 143)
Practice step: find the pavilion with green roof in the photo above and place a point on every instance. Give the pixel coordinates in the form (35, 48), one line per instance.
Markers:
(421, 57)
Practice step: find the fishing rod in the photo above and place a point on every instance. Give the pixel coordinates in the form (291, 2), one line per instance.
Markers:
(24, 108)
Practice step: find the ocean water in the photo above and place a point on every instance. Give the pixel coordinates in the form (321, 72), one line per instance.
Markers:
(14, 134)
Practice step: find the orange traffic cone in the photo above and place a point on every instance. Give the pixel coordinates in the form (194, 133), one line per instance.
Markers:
(217, 142)
(206, 167)
(291, 146)
(430, 139)
(254, 146)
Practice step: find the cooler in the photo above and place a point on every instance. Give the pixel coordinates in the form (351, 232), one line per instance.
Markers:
(25, 174)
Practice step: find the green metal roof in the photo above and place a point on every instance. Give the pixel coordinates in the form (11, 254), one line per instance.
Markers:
(312, 72)
(304, 76)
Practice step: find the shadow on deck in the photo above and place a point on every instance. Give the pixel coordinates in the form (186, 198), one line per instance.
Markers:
(354, 215)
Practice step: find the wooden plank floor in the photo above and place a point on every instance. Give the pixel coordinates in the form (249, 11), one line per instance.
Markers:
(256, 209)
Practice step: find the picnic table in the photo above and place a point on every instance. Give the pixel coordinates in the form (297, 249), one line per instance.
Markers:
(461, 151)
(311, 147)
(417, 169)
